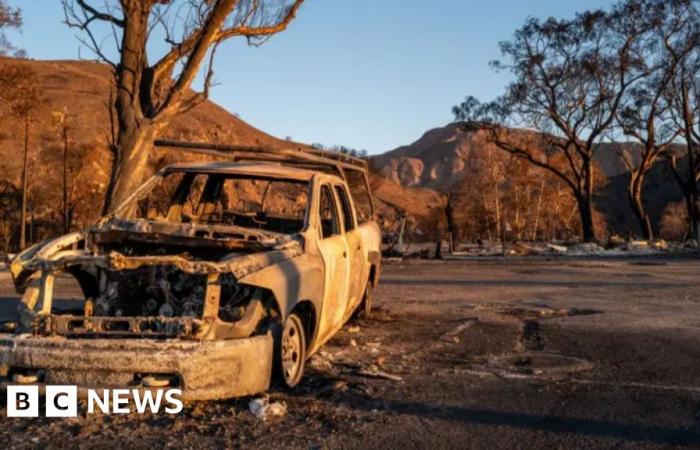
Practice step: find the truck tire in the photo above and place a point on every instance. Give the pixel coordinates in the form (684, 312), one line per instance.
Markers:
(290, 357)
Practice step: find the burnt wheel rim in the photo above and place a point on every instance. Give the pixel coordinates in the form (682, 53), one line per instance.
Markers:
(292, 350)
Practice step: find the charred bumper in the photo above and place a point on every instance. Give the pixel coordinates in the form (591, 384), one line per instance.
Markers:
(204, 370)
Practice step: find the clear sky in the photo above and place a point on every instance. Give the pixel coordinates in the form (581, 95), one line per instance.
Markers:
(368, 74)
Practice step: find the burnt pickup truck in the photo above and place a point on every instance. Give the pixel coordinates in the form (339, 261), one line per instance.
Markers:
(214, 278)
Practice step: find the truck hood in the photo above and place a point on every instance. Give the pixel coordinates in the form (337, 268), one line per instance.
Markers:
(84, 249)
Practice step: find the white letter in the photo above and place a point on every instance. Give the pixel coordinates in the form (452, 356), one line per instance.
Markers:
(147, 400)
(174, 401)
(22, 401)
(120, 397)
(61, 401)
(102, 403)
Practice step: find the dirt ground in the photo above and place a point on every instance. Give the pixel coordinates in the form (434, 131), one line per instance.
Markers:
(518, 353)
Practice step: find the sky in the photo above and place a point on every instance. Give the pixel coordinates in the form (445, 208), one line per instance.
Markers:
(366, 74)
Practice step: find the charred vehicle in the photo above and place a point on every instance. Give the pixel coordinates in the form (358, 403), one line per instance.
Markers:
(213, 277)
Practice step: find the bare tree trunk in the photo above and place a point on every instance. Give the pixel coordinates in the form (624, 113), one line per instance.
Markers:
(695, 215)
(25, 166)
(7, 231)
(438, 232)
(692, 206)
(503, 242)
(539, 211)
(486, 219)
(499, 227)
(690, 195)
(131, 164)
(136, 131)
(690, 184)
(694, 212)
(31, 222)
(585, 204)
(449, 215)
(66, 218)
(634, 195)
(585, 209)
(517, 213)
(496, 194)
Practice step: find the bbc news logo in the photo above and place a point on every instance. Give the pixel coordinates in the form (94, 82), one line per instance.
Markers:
(62, 401)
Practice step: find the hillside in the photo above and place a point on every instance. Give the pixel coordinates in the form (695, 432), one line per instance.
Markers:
(445, 156)
(81, 90)
(439, 157)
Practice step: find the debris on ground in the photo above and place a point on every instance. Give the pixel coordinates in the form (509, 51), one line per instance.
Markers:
(321, 361)
(451, 335)
(330, 389)
(586, 248)
(613, 246)
(374, 372)
(659, 244)
(616, 241)
(522, 249)
(557, 248)
(319, 364)
(354, 329)
(637, 245)
(263, 409)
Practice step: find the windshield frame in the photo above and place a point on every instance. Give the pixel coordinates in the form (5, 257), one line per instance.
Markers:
(124, 212)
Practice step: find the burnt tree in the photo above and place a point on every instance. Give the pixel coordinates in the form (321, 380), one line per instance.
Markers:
(150, 92)
(646, 115)
(21, 91)
(684, 97)
(570, 79)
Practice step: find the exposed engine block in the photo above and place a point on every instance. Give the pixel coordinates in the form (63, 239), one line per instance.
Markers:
(166, 292)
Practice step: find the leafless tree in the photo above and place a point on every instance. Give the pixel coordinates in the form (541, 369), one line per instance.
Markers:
(450, 219)
(9, 18)
(570, 79)
(646, 114)
(684, 97)
(506, 197)
(21, 90)
(63, 122)
(9, 205)
(150, 92)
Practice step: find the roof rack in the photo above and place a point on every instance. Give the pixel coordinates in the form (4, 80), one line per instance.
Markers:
(302, 156)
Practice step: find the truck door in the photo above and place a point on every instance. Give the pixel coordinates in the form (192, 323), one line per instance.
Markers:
(356, 253)
(334, 251)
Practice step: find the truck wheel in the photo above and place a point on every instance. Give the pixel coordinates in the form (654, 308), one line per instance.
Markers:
(291, 355)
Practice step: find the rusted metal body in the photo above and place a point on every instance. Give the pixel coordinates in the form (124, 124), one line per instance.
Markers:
(195, 294)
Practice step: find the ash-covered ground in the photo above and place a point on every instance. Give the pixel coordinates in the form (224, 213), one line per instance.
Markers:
(513, 353)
